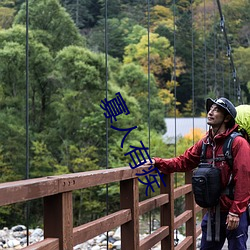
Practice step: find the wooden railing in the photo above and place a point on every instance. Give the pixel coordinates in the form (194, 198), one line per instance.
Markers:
(59, 232)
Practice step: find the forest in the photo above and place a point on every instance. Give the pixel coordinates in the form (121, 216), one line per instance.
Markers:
(60, 59)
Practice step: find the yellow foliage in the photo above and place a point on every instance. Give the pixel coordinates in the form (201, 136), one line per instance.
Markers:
(203, 114)
(161, 15)
(172, 84)
(195, 134)
(6, 17)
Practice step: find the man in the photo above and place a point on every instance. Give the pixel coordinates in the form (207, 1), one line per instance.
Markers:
(221, 115)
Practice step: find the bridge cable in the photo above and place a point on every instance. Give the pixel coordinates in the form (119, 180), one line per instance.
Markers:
(222, 68)
(215, 52)
(148, 28)
(106, 82)
(205, 49)
(175, 103)
(229, 54)
(27, 204)
(192, 73)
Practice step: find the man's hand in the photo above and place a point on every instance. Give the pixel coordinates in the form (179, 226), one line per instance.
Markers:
(232, 221)
(148, 163)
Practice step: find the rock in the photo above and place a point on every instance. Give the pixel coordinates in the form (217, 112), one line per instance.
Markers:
(100, 238)
(103, 243)
(95, 248)
(117, 245)
(13, 243)
(111, 233)
(18, 228)
(117, 235)
(16, 238)
(111, 239)
(3, 233)
(38, 232)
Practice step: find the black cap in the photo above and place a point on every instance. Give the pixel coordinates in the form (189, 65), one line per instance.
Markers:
(223, 103)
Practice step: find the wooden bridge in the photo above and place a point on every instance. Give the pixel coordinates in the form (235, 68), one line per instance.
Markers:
(59, 233)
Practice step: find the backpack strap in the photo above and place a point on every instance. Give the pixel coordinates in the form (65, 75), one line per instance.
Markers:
(203, 152)
(227, 148)
(227, 151)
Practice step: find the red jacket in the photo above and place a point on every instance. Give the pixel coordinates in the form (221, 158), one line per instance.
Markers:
(241, 167)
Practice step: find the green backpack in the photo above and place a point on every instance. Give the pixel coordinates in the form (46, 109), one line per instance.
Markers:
(243, 120)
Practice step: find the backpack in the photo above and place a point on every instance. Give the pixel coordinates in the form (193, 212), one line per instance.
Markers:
(243, 120)
(206, 179)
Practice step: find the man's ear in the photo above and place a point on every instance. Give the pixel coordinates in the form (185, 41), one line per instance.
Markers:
(228, 118)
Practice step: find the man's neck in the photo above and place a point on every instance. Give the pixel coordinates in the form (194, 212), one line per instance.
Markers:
(216, 130)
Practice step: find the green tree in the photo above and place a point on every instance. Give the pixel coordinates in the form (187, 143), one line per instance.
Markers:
(135, 81)
(242, 64)
(53, 25)
(84, 13)
(6, 17)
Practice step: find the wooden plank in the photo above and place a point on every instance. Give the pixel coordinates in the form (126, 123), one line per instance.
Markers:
(98, 177)
(178, 192)
(185, 244)
(167, 212)
(58, 219)
(198, 209)
(90, 230)
(190, 205)
(154, 238)
(152, 203)
(182, 218)
(129, 197)
(198, 231)
(46, 244)
(24, 190)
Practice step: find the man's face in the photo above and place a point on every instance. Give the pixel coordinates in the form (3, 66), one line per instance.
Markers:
(215, 116)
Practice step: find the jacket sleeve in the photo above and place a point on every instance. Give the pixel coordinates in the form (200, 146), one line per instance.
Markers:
(185, 162)
(241, 175)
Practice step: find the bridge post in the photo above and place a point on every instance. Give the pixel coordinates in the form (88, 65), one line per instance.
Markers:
(167, 212)
(190, 205)
(129, 198)
(58, 219)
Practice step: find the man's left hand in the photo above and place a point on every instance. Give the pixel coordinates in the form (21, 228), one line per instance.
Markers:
(232, 222)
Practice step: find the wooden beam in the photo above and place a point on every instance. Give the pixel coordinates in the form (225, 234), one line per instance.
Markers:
(90, 230)
(46, 244)
(24, 190)
(185, 244)
(152, 203)
(129, 197)
(98, 177)
(154, 238)
(167, 212)
(58, 219)
(182, 218)
(178, 192)
(190, 205)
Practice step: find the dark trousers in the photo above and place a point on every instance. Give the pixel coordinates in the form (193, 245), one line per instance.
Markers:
(237, 238)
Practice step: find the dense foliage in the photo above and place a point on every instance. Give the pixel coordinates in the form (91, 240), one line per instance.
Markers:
(81, 52)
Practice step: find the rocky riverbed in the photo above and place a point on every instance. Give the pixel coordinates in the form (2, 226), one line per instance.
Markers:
(16, 238)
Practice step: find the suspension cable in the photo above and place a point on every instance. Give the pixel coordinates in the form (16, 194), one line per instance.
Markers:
(229, 53)
(27, 207)
(192, 76)
(174, 73)
(106, 82)
(215, 52)
(175, 95)
(205, 49)
(148, 27)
